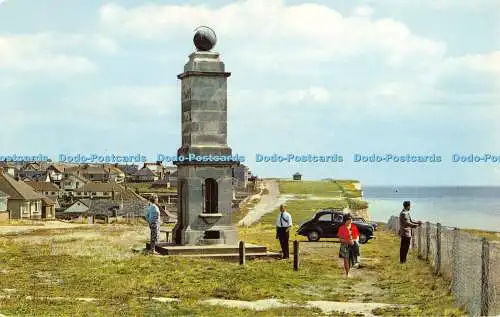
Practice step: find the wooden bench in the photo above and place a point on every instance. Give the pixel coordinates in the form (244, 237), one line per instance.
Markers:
(168, 234)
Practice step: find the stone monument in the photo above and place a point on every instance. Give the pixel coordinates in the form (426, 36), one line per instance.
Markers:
(205, 176)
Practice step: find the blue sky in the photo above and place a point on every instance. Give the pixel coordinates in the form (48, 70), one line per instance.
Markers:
(320, 77)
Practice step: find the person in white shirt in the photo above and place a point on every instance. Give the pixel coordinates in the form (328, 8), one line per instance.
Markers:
(283, 224)
(153, 218)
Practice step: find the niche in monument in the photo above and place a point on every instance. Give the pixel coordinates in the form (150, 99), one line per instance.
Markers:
(211, 196)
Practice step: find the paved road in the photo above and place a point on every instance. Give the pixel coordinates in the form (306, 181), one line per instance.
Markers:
(266, 204)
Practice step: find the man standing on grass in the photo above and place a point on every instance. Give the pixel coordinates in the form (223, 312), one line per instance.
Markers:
(283, 224)
(153, 218)
(405, 226)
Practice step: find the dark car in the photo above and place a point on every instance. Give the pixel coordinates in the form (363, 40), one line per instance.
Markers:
(361, 219)
(326, 223)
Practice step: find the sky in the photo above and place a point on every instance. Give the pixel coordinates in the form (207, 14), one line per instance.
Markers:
(308, 77)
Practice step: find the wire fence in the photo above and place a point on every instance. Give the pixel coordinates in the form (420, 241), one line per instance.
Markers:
(470, 263)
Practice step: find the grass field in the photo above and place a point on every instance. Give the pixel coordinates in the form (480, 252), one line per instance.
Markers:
(42, 273)
(316, 188)
(328, 189)
(146, 188)
(96, 262)
(490, 235)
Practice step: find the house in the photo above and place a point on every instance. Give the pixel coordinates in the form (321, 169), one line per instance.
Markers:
(155, 167)
(56, 173)
(115, 174)
(23, 201)
(129, 170)
(170, 169)
(40, 177)
(105, 191)
(46, 188)
(72, 182)
(90, 172)
(79, 207)
(48, 208)
(32, 170)
(297, 176)
(119, 208)
(240, 174)
(161, 183)
(145, 175)
(97, 190)
(4, 212)
(158, 168)
(172, 178)
(8, 168)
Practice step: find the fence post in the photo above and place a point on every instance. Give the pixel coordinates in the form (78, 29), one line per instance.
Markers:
(485, 272)
(455, 257)
(295, 255)
(438, 249)
(413, 240)
(427, 239)
(419, 240)
(242, 252)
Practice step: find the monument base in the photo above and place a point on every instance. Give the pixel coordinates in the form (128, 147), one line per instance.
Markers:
(218, 251)
(215, 235)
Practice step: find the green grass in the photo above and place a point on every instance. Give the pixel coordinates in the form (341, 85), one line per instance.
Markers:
(303, 210)
(146, 188)
(331, 188)
(120, 282)
(356, 204)
(490, 235)
(316, 188)
(97, 262)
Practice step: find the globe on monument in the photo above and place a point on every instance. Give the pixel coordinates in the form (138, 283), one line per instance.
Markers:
(204, 38)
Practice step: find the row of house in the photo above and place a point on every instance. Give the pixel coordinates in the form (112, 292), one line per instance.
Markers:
(29, 191)
(39, 200)
(59, 173)
(71, 176)
(21, 201)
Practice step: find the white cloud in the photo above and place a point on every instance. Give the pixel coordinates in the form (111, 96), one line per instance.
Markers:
(489, 62)
(54, 53)
(269, 36)
(363, 11)
(440, 4)
(150, 100)
(35, 53)
(315, 95)
(268, 30)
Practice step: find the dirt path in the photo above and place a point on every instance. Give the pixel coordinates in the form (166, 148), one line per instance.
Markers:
(266, 204)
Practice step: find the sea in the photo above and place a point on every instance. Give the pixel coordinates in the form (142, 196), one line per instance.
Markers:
(472, 207)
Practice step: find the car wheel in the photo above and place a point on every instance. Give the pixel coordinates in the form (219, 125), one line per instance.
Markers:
(313, 236)
(363, 238)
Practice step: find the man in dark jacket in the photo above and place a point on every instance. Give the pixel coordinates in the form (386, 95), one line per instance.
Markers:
(405, 226)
